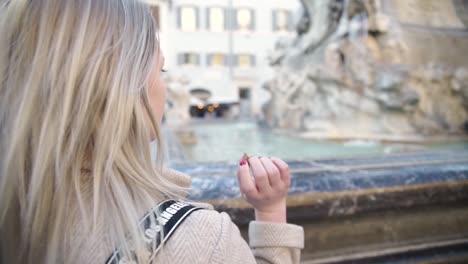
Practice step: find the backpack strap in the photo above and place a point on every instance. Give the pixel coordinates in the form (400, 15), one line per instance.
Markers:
(172, 214)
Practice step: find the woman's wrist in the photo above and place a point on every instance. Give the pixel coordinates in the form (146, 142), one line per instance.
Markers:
(270, 217)
(277, 215)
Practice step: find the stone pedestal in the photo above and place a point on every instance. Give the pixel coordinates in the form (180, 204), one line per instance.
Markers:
(381, 209)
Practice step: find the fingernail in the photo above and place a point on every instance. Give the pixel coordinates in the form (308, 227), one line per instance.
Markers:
(243, 159)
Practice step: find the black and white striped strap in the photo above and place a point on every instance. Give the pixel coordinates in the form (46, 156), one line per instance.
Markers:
(172, 214)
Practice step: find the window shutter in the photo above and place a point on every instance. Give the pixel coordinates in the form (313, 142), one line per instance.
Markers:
(179, 18)
(197, 59)
(227, 24)
(209, 59)
(290, 22)
(208, 17)
(274, 23)
(252, 24)
(229, 60)
(234, 22)
(180, 59)
(253, 60)
(197, 17)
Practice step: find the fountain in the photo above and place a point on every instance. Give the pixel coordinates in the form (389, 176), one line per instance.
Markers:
(179, 98)
(368, 69)
(176, 129)
(371, 69)
(380, 209)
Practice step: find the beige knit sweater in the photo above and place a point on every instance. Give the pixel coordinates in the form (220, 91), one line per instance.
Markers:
(207, 236)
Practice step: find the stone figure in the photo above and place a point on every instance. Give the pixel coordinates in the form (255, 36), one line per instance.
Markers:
(177, 116)
(179, 98)
(372, 68)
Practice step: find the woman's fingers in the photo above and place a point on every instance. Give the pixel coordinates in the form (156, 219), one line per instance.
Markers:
(260, 174)
(284, 170)
(273, 172)
(246, 183)
(263, 177)
(268, 189)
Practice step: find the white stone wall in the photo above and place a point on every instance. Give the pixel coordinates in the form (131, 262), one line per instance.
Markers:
(222, 81)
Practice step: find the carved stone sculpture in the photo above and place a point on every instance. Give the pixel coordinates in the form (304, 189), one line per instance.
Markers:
(370, 68)
(177, 117)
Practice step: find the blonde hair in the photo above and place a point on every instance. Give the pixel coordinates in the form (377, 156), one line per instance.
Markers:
(74, 129)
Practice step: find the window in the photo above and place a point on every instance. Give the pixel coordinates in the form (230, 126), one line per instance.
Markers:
(245, 60)
(245, 19)
(216, 59)
(282, 20)
(188, 59)
(215, 19)
(188, 18)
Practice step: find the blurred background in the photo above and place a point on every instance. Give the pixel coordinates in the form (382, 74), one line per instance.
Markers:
(315, 78)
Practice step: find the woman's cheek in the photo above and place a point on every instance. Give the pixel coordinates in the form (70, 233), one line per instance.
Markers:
(158, 99)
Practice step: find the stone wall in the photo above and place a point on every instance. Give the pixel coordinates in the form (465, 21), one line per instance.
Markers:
(373, 69)
(395, 208)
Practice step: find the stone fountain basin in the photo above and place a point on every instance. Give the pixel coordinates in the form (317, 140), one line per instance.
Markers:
(407, 207)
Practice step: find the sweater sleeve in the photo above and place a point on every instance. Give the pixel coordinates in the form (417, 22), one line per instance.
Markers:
(207, 236)
(270, 243)
(276, 243)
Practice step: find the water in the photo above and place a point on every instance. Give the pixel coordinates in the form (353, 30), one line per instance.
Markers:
(228, 141)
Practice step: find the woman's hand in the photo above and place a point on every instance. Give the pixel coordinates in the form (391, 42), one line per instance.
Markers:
(265, 182)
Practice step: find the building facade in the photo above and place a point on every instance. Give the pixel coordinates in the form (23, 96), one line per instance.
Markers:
(222, 46)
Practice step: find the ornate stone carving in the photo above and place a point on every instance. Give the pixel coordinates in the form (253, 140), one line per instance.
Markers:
(369, 67)
(178, 114)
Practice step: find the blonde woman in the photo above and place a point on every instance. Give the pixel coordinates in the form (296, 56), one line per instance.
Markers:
(81, 97)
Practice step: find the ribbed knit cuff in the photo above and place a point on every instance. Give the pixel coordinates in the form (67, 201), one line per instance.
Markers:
(267, 234)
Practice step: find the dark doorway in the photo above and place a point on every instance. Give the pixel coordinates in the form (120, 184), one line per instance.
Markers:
(245, 102)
